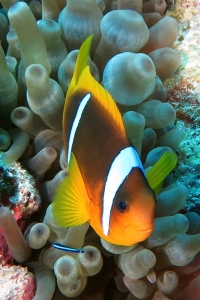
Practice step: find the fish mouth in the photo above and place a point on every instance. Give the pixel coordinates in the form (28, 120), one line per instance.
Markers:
(146, 231)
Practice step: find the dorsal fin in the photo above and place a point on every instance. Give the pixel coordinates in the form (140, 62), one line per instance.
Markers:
(81, 63)
(83, 82)
(88, 84)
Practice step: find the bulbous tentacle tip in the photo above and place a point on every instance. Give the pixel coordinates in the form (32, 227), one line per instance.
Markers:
(16, 8)
(129, 78)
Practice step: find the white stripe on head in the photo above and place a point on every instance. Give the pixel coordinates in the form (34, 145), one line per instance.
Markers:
(124, 162)
(76, 121)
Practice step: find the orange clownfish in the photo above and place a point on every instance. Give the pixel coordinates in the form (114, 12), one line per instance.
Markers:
(106, 185)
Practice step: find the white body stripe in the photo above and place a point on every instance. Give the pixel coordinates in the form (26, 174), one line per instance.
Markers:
(119, 170)
(75, 123)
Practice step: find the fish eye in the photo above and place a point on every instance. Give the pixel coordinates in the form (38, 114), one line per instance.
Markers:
(121, 205)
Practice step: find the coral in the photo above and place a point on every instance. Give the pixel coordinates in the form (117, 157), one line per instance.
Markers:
(18, 195)
(17, 245)
(136, 56)
(14, 283)
(45, 280)
(183, 93)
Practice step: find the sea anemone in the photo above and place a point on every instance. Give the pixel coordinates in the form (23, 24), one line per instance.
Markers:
(133, 58)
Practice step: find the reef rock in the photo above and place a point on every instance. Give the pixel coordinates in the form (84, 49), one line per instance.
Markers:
(18, 192)
(14, 283)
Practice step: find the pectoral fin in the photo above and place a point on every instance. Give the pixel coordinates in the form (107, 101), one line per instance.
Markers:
(71, 202)
(160, 170)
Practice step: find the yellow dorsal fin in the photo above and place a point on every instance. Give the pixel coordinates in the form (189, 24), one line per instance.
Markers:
(88, 84)
(160, 170)
(81, 63)
(71, 202)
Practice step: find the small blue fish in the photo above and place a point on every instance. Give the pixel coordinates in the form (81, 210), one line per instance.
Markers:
(65, 248)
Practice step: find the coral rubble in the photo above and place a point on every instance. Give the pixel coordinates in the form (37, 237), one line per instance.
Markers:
(14, 283)
(136, 51)
(19, 199)
(183, 93)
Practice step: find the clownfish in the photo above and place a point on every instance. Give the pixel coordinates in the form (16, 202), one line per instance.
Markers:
(106, 185)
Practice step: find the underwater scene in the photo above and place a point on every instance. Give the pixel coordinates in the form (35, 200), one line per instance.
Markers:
(99, 150)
